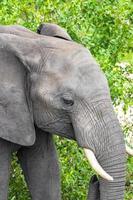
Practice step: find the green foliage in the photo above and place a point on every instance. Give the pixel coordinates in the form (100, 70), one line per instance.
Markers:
(105, 27)
(75, 170)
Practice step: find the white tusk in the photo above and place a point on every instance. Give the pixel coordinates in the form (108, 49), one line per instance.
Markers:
(96, 166)
(129, 150)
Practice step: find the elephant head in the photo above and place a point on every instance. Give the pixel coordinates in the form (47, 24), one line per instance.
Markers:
(69, 95)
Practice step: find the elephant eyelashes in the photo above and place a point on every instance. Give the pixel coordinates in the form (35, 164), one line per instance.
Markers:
(67, 101)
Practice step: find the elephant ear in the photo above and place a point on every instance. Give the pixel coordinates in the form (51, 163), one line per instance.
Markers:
(18, 58)
(53, 30)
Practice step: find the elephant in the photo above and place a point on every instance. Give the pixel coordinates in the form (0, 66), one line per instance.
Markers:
(50, 84)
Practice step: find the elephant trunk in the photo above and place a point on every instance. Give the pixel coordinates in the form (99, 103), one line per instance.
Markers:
(114, 164)
(113, 161)
(102, 134)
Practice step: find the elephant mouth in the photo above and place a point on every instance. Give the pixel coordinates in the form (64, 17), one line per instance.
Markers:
(57, 127)
(67, 131)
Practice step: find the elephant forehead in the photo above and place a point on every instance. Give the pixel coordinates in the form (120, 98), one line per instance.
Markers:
(76, 63)
(67, 60)
(73, 68)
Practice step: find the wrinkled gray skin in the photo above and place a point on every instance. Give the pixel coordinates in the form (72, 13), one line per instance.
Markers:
(56, 83)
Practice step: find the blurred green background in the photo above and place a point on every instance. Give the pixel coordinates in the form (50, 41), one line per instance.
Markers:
(106, 28)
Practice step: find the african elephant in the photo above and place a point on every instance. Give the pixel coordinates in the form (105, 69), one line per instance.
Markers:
(50, 84)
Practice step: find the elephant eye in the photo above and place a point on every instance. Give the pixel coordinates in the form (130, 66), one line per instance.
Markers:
(68, 101)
